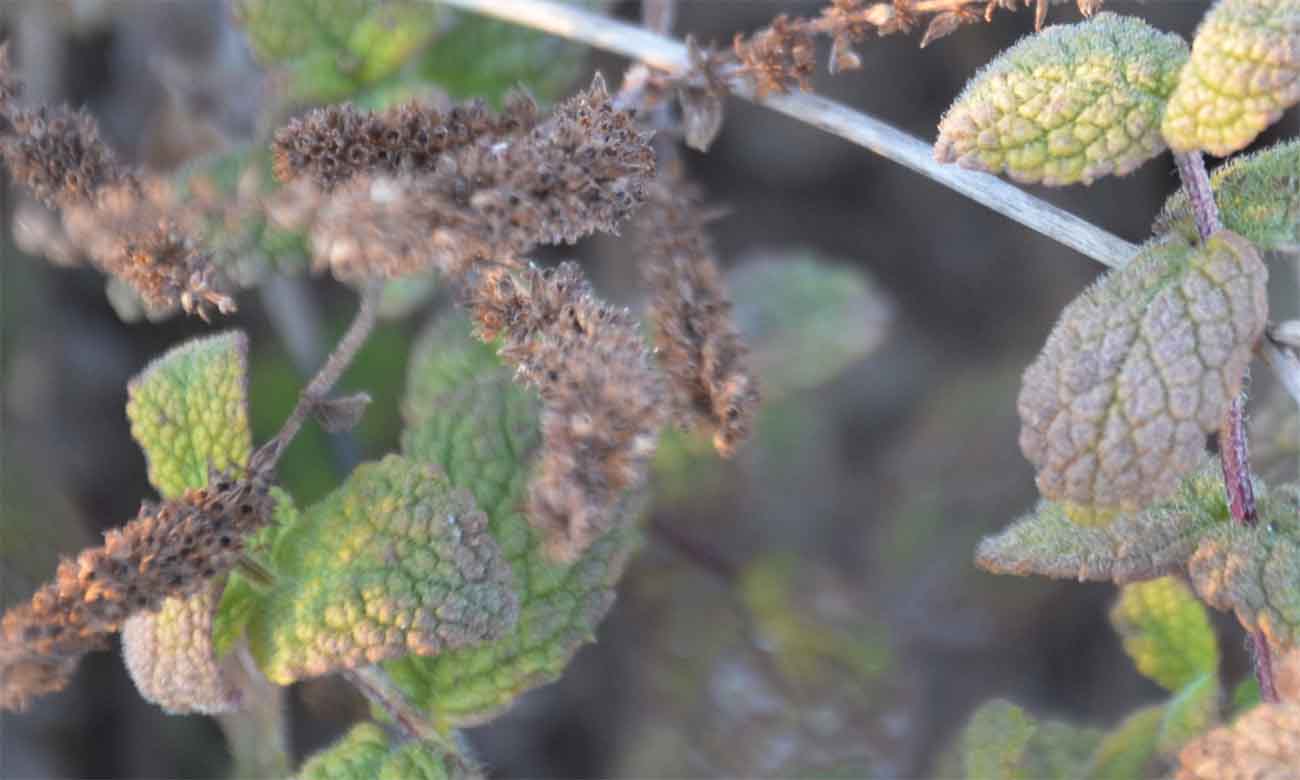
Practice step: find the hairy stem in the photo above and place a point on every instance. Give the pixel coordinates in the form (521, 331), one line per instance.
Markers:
(375, 684)
(269, 454)
(1233, 452)
(670, 55)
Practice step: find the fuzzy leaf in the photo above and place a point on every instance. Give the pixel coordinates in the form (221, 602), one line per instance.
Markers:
(332, 48)
(1262, 744)
(189, 411)
(1125, 752)
(170, 656)
(1243, 73)
(1133, 547)
(364, 753)
(1166, 632)
(805, 320)
(995, 741)
(1069, 104)
(1258, 196)
(394, 561)
(1115, 409)
(1255, 572)
(465, 415)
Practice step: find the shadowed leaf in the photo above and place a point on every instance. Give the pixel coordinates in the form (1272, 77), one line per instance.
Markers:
(1003, 742)
(1126, 751)
(364, 753)
(1069, 104)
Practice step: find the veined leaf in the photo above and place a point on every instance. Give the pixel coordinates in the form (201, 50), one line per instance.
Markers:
(189, 412)
(1243, 73)
(1167, 633)
(465, 415)
(394, 561)
(1132, 547)
(1140, 367)
(364, 753)
(1069, 104)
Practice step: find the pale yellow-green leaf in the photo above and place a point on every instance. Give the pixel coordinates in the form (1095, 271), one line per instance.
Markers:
(995, 741)
(1143, 365)
(1189, 713)
(170, 656)
(1243, 73)
(365, 753)
(189, 412)
(1167, 632)
(1069, 104)
(396, 561)
(1126, 752)
(1131, 547)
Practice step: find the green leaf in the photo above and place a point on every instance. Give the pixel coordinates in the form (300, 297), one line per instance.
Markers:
(465, 415)
(995, 741)
(1245, 695)
(1139, 368)
(394, 561)
(805, 320)
(1190, 713)
(189, 412)
(1166, 632)
(1255, 572)
(1126, 751)
(477, 57)
(364, 753)
(333, 48)
(242, 598)
(1243, 73)
(1132, 547)
(1069, 104)
(1258, 196)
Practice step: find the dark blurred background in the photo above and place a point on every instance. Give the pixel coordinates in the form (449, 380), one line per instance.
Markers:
(851, 518)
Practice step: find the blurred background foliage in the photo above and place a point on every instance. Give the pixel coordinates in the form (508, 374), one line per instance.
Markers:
(807, 609)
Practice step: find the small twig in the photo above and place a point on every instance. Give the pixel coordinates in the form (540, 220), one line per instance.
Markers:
(670, 55)
(268, 454)
(1233, 452)
(375, 684)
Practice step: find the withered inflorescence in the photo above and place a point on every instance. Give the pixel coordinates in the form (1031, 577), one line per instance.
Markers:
(696, 340)
(59, 156)
(170, 549)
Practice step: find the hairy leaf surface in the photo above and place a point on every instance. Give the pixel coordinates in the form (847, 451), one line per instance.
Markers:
(1166, 632)
(1115, 409)
(1243, 73)
(1263, 743)
(1132, 547)
(1069, 104)
(394, 561)
(189, 412)
(465, 415)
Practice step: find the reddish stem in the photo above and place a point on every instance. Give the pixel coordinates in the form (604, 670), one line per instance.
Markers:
(1233, 453)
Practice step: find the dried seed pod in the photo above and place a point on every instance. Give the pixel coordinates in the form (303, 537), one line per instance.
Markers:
(58, 155)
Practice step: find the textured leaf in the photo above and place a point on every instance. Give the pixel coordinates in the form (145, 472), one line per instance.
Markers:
(1140, 367)
(1125, 752)
(805, 320)
(995, 741)
(1069, 104)
(1166, 632)
(332, 48)
(1132, 547)
(1258, 196)
(189, 412)
(465, 415)
(1255, 572)
(364, 753)
(170, 656)
(1263, 744)
(394, 561)
(1243, 73)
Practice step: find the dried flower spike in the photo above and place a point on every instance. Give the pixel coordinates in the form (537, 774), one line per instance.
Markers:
(58, 154)
(170, 549)
(696, 340)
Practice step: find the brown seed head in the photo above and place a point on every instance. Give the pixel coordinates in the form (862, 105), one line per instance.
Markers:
(57, 153)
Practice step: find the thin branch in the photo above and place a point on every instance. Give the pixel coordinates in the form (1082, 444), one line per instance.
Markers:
(866, 131)
(269, 453)
(1196, 183)
(375, 684)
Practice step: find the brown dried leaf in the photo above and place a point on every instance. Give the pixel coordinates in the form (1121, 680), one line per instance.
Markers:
(942, 25)
(1263, 744)
(1140, 367)
(338, 415)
